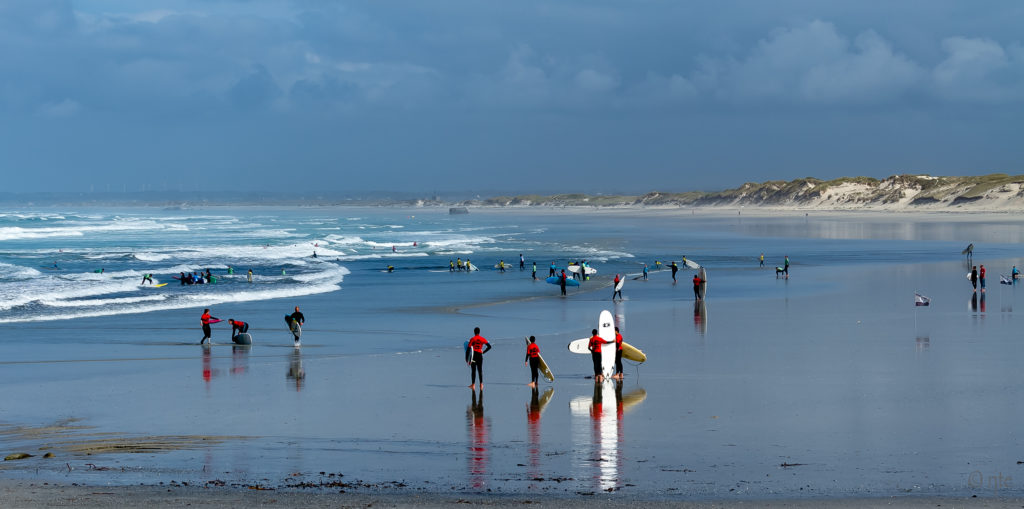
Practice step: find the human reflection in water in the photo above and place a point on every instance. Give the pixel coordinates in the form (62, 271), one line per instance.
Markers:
(533, 412)
(972, 305)
(604, 410)
(239, 359)
(982, 302)
(479, 428)
(295, 371)
(700, 317)
(208, 372)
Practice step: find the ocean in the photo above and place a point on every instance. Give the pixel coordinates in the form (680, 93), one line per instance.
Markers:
(827, 383)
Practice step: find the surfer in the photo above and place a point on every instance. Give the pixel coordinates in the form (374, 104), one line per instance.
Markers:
(533, 359)
(231, 270)
(696, 286)
(618, 355)
(391, 268)
(296, 320)
(595, 353)
(981, 277)
(469, 265)
(501, 265)
(551, 271)
(475, 357)
(458, 263)
(534, 271)
(238, 327)
(1014, 273)
(974, 277)
(675, 268)
(147, 277)
(522, 262)
(785, 267)
(645, 272)
(314, 253)
(205, 320)
(561, 282)
(762, 259)
(617, 289)
(451, 265)
(249, 276)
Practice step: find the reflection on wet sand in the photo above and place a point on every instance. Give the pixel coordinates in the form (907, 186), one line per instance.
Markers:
(700, 317)
(240, 359)
(208, 372)
(533, 412)
(602, 432)
(295, 371)
(479, 428)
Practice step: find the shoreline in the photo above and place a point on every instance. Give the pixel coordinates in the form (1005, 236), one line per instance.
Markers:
(16, 494)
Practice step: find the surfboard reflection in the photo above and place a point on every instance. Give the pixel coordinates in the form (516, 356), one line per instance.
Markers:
(598, 423)
(479, 428)
(700, 317)
(534, 409)
(295, 371)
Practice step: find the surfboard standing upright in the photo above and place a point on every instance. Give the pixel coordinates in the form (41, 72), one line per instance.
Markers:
(703, 275)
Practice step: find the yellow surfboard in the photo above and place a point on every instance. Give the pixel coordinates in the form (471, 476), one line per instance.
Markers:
(632, 353)
(544, 370)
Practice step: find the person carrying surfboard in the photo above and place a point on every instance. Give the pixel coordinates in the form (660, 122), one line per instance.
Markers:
(533, 359)
(595, 353)
(206, 320)
(522, 262)
(296, 320)
(618, 355)
(617, 290)
(475, 357)
(561, 282)
(696, 286)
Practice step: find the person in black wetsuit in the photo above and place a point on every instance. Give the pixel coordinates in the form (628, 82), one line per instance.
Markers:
(475, 357)
(298, 317)
(675, 268)
(561, 282)
(522, 262)
(147, 277)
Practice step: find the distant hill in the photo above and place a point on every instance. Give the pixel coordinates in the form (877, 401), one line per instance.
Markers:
(899, 192)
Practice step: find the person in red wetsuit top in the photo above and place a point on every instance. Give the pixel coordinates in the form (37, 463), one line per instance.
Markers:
(533, 359)
(475, 357)
(618, 355)
(696, 286)
(205, 320)
(615, 288)
(595, 353)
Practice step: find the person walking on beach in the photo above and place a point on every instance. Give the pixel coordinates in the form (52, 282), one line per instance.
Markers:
(675, 268)
(296, 320)
(533, 359)
(696, 286)
(974, 277)
(762, 259)
(238, 327)
(645, 272)
(785, 268)
(501, 266)
(522, 262)
(618, 355)
(561, 282)
(981, 277)
(534, 271)
(475, 357)
(615, 288)
(1014, 273)
(551, 271)
(205, 320)
(595, 353)
(249, 276)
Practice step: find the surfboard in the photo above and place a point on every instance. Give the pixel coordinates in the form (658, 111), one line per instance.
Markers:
(568, 282)
(159, 285)
(703, 275)
(580, 346)
(498, 266)
(618, 287)
(471, 266)
(293, 325)
(544, 369)
(215, 320)
(576, 268)
(606, 329)
(243, 338)
(692, 264)
(632, 353)
(968, 275)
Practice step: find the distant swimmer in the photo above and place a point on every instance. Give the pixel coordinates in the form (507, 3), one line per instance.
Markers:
(248, 276)
(238, 327)
(618, 355)
(762, 259)
(231, 270)
(534, 271)
(475, 357)
(522, 262)
(675, 268)
(533, 360)
(314, 253)
(282, 272)
(147, 277)
(394, 249)
(595, 353)
(296, 320)
(205, 320)
(696, 286)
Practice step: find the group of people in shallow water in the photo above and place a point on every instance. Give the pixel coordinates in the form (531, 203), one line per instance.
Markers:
(295, 322)
(477, 346)
(196, 278)
(459, 266)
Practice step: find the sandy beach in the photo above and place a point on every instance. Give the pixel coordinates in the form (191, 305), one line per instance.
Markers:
(827, 387)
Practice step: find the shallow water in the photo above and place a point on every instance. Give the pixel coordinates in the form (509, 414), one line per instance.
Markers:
(833, 370)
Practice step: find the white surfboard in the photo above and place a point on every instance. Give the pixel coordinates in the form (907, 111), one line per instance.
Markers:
(618, 287)
(576, 268)
(703, 275)
(606, 329)
(471, 266)
(692, 264)
(580, 346)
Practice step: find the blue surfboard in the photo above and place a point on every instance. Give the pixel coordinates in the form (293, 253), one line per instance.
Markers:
(568, 282)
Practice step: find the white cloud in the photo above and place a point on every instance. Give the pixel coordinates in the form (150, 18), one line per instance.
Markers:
(977, 69)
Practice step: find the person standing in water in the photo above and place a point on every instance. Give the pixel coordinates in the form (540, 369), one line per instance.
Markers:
(522, 262)
(475, 357)
(249, 276)
(616, 289)
(501, 266)
(296, 321)
(785, 268)
(696, 286)
(551, 271)
(533, 359)
(534, 271)
(618, 355)
(645, 272)
(762, 259)
(205, 321)
(675, 268)
(451, 265)
(595, 353)
(981, 277)
(561, 282)
(974, 277)
(1014, 273)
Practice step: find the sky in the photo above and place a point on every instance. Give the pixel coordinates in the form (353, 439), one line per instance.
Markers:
(484, 96)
